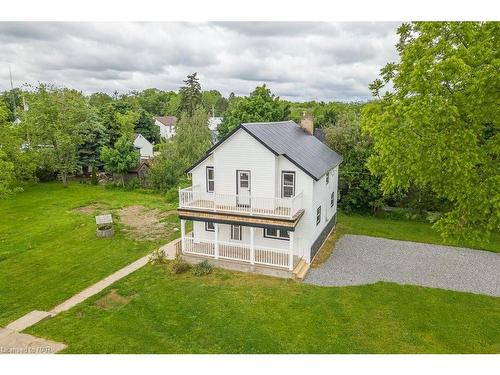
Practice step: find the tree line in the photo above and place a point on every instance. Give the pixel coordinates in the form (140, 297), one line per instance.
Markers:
(429, 143)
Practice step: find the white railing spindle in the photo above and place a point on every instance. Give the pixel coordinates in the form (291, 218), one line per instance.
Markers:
(193, 197)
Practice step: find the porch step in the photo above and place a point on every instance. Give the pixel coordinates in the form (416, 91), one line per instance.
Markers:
(299, 273)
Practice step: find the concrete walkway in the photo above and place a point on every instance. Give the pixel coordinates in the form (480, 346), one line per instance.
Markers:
(358, 260)
(12, 341)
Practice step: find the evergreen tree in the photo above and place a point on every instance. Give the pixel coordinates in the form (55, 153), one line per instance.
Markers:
(93, 137)
(190, 95)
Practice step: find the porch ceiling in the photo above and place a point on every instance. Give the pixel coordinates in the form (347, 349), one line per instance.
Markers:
(245, 220)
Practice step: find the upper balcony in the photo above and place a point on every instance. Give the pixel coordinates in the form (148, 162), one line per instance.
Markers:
(272, 207)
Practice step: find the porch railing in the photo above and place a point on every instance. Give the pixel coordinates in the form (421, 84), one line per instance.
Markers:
(239, 252)
(193, 197)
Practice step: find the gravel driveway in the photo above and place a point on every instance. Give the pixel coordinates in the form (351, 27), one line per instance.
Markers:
(365, 260)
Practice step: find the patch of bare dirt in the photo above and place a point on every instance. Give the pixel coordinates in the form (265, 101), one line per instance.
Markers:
(112, 299)
(145, 225)
(91, 208)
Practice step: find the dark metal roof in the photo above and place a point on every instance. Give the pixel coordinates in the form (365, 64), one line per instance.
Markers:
(290, 140)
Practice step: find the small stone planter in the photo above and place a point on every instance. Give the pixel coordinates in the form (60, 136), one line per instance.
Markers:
(105, 231)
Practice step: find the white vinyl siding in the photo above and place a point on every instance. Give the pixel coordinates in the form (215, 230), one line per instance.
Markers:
(243, 152)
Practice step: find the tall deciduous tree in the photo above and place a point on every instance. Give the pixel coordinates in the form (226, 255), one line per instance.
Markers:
(53, 121)
(145, 125)
(438, 127)
(260, 105)
(190, 95)
(358, 188)
(17, 164)
(190, 143)
(192, 137)
(127, 122)
(121, 157)
(214, 102)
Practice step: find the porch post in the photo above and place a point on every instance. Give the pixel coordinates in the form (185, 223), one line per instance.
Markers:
(183, 234)
(216, 244)
(252, 249)
(290, 255)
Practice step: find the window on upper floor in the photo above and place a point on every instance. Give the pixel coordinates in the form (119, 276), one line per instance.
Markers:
(210, 180)
(332, 199)
(287, 184)
(318, 215)
(276, 234)
(209, 226)
(327, 177)
(236, 232)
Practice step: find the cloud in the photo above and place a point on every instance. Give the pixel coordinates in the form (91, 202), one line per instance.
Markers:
(298, 60)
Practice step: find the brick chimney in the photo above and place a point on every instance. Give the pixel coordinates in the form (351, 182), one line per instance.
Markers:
(307, 123)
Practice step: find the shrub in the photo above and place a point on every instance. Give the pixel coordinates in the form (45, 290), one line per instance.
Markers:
(203, 268)
(158, 257)
(134, 183)
(179, 265)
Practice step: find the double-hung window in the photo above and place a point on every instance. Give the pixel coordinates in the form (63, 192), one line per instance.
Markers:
(287, 184)
(210, 180)
(278, 234)
(318, 215)
(236, 232)
(332, 199)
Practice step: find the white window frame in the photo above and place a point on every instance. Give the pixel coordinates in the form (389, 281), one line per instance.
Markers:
(288, 186)
(239, 230)
(212, 180)
(278, 236)
(207, 229)
(332, 199)
(318, 215)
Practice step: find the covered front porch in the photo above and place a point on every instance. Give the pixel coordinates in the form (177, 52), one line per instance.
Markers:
(251, 250)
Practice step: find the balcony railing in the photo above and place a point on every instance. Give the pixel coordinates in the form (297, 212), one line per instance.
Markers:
(193, 197)
(238, 252)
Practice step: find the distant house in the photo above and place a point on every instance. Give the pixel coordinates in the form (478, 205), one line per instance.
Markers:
(144, 146)
(213, 125)
(167, 125)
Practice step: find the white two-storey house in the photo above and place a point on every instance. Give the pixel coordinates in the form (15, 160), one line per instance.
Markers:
(264, 197)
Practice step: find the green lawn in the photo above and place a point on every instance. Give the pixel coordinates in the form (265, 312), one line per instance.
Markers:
(48, 252)
(399, 230)
(230, 312)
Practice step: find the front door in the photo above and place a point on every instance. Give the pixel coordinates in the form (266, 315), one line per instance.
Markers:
(243, 188)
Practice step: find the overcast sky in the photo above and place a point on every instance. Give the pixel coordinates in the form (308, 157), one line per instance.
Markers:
(298, 61)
